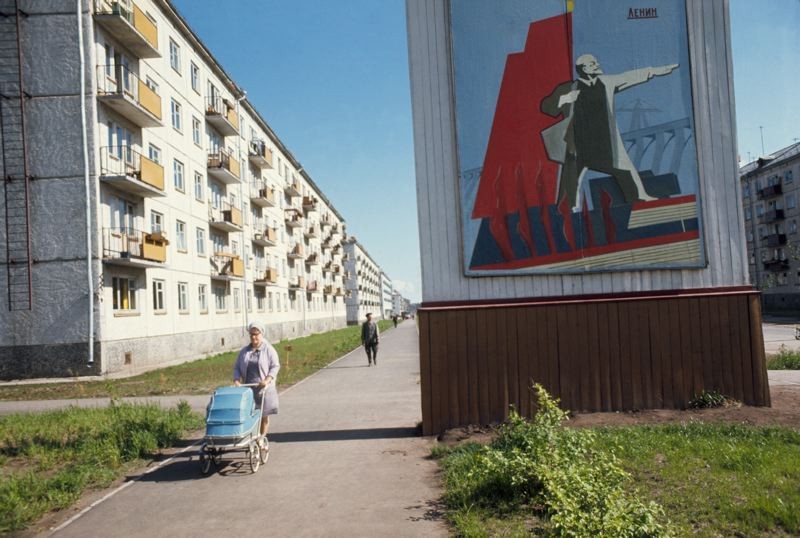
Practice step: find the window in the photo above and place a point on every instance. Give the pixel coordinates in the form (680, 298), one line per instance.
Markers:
(793, 226)
(183, 297)
(175, 108)
(124, 290)
(237, 300)
(747, 213)
(154, 153)
(746, 189)
(196, 131)
(177, 174)
(158, 295)
(249, 300)
(277, 300)
(759, 210)
(174, 56)
(219, 299)
(156, 222)
(180, 235)
(198, 186)
(200, 235)
(791, 202)
(195, 75)
(202, 298)
(788, 176)
(285, 302)
(150, 83)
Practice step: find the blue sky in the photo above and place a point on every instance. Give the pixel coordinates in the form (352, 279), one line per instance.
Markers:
(331, 78)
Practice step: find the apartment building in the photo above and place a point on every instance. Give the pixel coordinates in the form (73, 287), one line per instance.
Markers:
(363, 283)
(199, 218)
(400, 304)
(386, 296)
(770, 192)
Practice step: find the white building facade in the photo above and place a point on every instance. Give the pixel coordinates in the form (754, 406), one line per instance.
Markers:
(363, 283)
(386, 295)
(200, 219)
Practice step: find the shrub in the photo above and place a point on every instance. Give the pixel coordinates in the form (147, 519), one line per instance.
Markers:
(785, 359)
(707, 400)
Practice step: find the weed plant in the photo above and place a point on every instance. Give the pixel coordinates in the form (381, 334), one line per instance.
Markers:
(708, 399)
(540, 474)
(48, 460)
(785, 359)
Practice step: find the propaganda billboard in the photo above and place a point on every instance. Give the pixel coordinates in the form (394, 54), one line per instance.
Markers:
(575, 136)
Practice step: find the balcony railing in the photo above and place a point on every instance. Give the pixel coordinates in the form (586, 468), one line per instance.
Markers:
(313, 258)
(325, 221)
(312, 286)
(770, 191)
(130, 171)
(775, 240)
(268, 276)
(266, 237)
(310, 203)
(327, 290)
(776, 265)
(292, 187)
(223, 166)
(129, 246)
(296, 252)
(294, 219)
(259, 154)
(123, 90)
(225, 217)
(312, 232)
(221, 113)
(129, 25)
(226, 265)
(261, 194)
(773, 215)
(297, 282)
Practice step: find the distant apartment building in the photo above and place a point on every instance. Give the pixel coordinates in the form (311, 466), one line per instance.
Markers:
(400, 305)
(201, 220)
(363, 283)
(387, 289)
(770, 193)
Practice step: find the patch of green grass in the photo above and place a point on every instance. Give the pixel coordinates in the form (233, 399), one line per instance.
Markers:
(784, 359)
(714, 479)
(50, 459)
(308, 354)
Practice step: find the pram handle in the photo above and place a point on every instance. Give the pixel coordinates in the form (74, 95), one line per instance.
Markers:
(252, 385)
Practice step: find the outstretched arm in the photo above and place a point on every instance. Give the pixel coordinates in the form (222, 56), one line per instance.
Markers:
(625, 80)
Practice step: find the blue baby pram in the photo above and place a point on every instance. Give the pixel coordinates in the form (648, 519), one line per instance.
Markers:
(232, 425)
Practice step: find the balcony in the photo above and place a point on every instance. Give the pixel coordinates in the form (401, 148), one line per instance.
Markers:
(125, 93)
(312, 232)
(340, 292)
(224, 167)
(773, 215)
(262, 195)
(327, 268)
(294, 219)
(268, 277)
(259, 154)
(327, 290)
(325, 221)
(297, 283)
(310, 203)
(221, 114)
(776, 265)
(296, 253)
(312, 287)
(226, 266)
(266, 238)
(770, 191)
(134, 248)
(130, 26)
(225, 218)
(313, 259)
(292, 187)
(130, 171)
(775, 240)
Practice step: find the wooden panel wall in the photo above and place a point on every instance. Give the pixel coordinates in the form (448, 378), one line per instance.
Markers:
(437, 182)
(596, 355)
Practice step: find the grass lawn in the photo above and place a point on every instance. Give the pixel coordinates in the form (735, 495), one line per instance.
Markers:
(48, 460)
(308, 354)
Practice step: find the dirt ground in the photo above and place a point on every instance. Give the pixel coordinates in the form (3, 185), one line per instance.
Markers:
(785, 411)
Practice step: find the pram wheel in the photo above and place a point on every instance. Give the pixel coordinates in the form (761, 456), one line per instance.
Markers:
(255, 459)
(205, 461)
(264, 449)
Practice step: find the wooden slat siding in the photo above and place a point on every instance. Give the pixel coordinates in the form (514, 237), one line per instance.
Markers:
(655, 353)
(484, 381)
(709, 377)
(696, 346)
(725, 349)
(472, 367)
(503, 322)
(463, 368)
(584, 362)
(615, 373)
(757, 351)
(439, 371)
(573, 330)
(626, 375)
(563, 358)
(736, 349)
(646, 357)
(493, 367)
(454, 365)
(426, 386)
(552, 340)
(528, 362)
(637, 358)
(604, 354)
(673, 352)
(743, 332)
(593, 372)
(687, 365)
(664, 357)
(512, 372)
(434, 142)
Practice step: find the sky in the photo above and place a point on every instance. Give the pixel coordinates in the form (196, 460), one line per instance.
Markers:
(331, 79)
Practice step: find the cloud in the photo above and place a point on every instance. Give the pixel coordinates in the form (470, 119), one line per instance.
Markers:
(407, 289)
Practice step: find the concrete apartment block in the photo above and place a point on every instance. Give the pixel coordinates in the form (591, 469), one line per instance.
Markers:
(363, 283)
(200, 219)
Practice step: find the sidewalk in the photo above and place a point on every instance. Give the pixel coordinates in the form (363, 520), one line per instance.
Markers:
(344, 461)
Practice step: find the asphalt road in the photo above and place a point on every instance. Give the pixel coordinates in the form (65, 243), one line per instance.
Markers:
(344, 461)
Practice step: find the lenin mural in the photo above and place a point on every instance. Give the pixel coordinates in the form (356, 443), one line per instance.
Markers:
(575, 136)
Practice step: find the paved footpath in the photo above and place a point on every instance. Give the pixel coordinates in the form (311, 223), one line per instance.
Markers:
(344, 461)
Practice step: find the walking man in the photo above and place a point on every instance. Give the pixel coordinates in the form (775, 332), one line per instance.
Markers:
(369, 338)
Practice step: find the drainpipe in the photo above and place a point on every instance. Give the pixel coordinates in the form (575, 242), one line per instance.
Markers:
(241, 198)
(87, 182)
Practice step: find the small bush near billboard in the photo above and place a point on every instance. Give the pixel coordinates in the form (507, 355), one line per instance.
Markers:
(784, 359)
